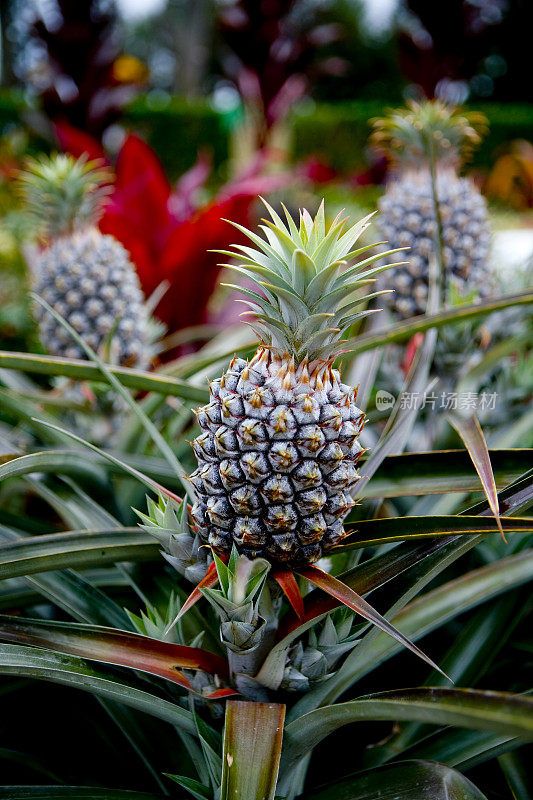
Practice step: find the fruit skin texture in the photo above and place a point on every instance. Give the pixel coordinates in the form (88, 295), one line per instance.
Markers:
(407, 219)
(277, 459)
(88, 278)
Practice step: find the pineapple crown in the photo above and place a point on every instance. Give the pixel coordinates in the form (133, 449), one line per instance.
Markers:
(63, 193)
(308, 295)
(407, 134)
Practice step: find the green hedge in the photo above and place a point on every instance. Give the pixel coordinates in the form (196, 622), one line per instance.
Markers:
(11, 105)
(338, 133)
(176, 130)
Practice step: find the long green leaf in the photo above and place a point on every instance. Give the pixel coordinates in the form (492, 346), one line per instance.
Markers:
(443, 471)
(502, 712)
(411, 780)
(64, 462)
(31, 662)
(75, 549)
(197, 789)
(71, 793)
(85, 371)
(393, 529)
(113, 459)
(403, 331)
(252, 748)
(517, 775)
(72, 592)
(462, 748)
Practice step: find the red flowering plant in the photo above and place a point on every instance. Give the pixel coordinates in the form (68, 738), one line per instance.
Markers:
(168, 234)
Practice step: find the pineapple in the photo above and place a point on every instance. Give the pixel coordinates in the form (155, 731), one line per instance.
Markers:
(278, 452)
(86, 276)
(407, 215)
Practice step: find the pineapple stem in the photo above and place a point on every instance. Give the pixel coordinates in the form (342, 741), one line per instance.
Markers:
(438, 237)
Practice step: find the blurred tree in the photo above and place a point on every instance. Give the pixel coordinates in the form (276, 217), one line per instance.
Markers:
(176, 44)
(272, 51)
(467, 47)
(76, 79)
(509, 62)
(6, 46)
(368, 53)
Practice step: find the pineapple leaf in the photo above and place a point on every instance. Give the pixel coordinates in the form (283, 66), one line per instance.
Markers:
(354, 601)
(303, 270)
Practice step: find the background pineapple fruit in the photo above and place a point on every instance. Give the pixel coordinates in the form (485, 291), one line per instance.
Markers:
(86, 276)
(279, 445)
(407, 214)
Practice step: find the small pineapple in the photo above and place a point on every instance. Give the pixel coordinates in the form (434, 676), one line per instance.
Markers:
(86, 276)
(279, 445)
(407, 215)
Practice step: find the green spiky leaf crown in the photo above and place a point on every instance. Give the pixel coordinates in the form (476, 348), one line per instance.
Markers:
(407, 134)
(64, 194)
(309, 295)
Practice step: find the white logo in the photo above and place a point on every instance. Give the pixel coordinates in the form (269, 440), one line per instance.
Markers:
(384, 400)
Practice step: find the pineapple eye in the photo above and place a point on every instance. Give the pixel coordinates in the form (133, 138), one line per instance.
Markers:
(255, 466)
(232, 410)
(312, 529)
(219, 511)
(312, 440)
(311, 501)
(277, 489)
(281, 518)
(283, 456)
(245, 500)
(225, 441)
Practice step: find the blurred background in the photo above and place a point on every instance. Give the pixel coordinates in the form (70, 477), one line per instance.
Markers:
(225, 99)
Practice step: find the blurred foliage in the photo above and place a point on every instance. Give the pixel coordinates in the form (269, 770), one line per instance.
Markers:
(178, 129)
(338, 133)
(274, 52)
(481, 45)
(511, 177)
(370, 59)
(75, 78)
(17, 330)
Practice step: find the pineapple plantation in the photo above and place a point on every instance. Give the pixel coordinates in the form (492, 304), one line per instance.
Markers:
(254, 590)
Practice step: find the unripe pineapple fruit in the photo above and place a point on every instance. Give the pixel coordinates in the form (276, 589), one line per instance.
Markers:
(86, 276)
(279, 445)
(412, 137)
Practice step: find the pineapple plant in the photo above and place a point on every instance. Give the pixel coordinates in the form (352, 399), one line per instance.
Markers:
(86, 276)
(271, 649)
(278, 451)
(427, 142)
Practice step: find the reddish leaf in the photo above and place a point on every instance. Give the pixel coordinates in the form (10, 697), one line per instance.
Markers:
(167, 236)
(349, 598)
(78, 143)
(211, 578)
(111, 646)
(221, 694)
(182, 199)
(410, 352)
(289, 585)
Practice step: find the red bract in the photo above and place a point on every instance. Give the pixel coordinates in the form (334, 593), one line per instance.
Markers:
(166, 234)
